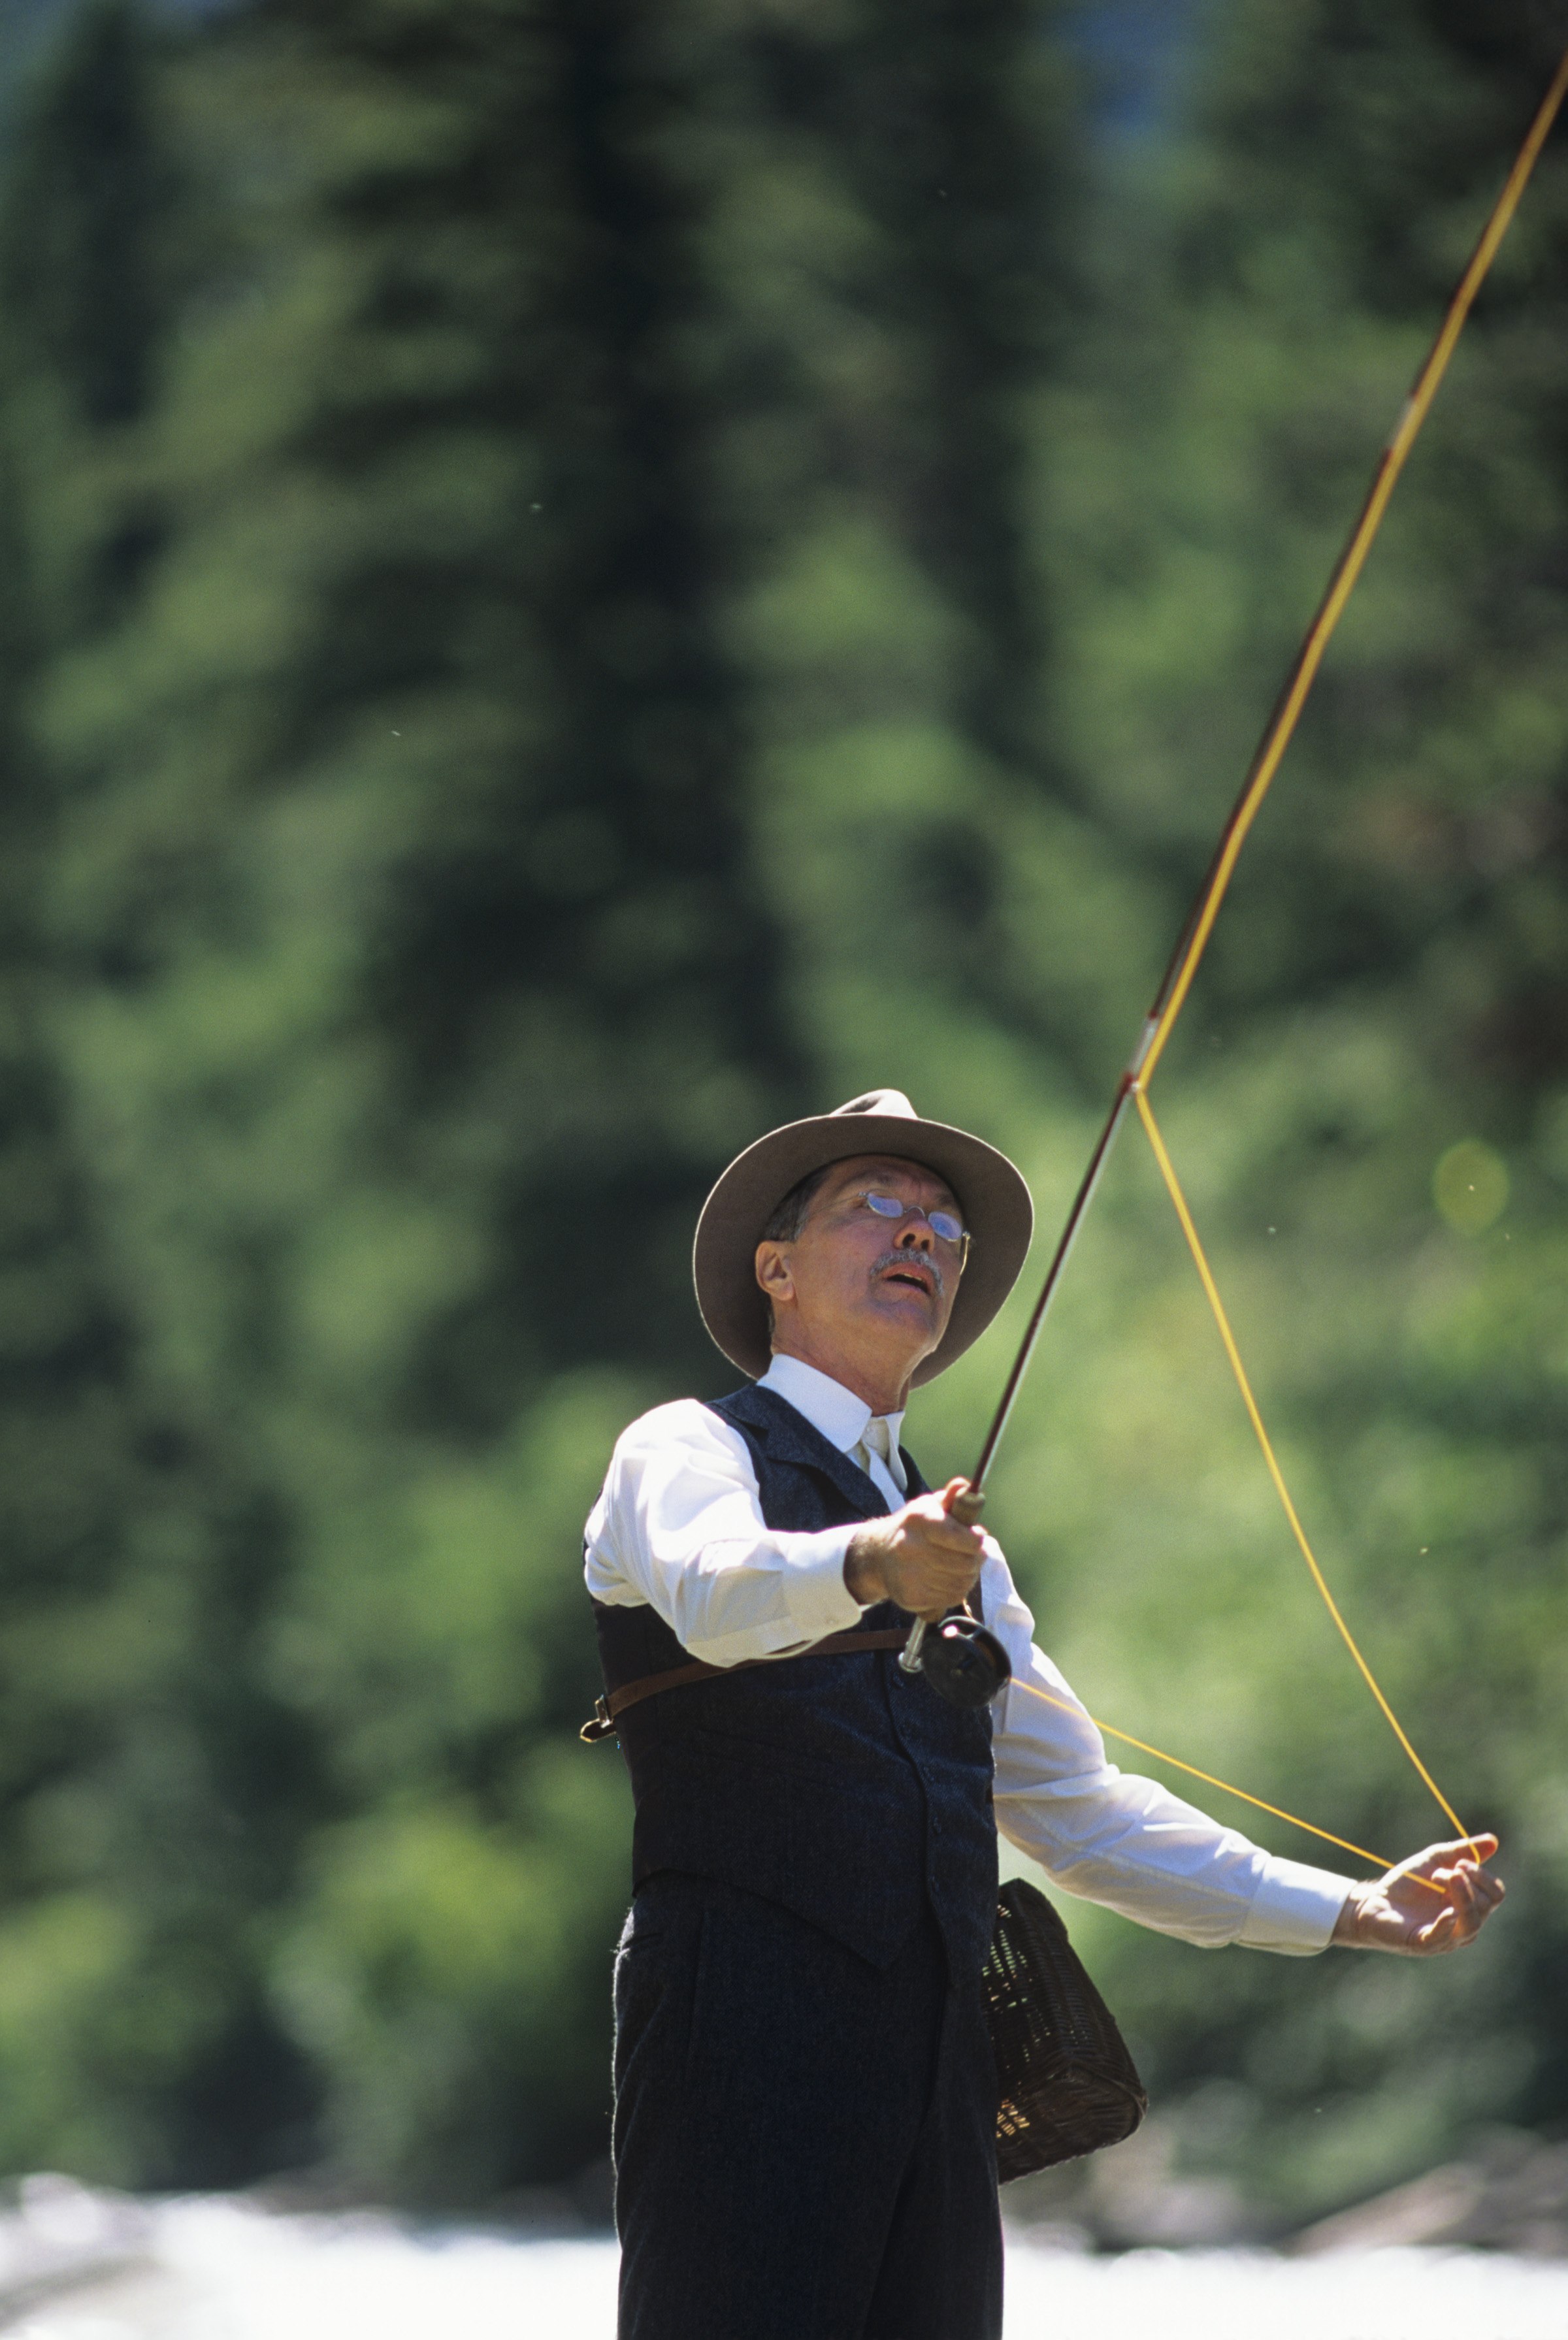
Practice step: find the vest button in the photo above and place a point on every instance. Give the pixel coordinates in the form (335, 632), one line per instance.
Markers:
(935, 1827)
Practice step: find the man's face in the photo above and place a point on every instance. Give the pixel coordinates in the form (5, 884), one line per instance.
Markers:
(874, 1283)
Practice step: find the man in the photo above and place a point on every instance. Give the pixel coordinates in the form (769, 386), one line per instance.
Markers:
(805, 2098)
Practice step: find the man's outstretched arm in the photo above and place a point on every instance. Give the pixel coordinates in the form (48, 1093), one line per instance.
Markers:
(1125, 1841)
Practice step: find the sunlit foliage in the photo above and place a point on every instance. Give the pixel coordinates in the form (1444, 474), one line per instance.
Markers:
(581, 577)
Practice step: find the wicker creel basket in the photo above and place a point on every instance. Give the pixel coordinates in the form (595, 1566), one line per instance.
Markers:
(1068, 2085)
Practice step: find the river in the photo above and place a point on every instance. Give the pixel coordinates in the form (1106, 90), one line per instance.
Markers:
(225, 2270)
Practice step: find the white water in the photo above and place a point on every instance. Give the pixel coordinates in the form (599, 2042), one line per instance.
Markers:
(218, 2270)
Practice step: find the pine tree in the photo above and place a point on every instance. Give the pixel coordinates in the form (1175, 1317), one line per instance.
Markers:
(134, 1551)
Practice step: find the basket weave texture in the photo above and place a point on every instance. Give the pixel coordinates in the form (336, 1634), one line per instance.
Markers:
(1068, 2085)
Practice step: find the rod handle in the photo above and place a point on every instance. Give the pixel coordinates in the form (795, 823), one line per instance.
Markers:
(965, 1506)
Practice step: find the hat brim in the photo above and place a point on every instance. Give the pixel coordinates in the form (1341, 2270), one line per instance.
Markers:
(995, 1200)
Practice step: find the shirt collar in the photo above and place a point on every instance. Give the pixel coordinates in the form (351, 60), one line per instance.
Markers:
(827, 1405)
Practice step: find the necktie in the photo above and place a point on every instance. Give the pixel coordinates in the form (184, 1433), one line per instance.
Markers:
(876, 1448)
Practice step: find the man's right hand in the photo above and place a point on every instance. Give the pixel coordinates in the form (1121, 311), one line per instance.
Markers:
(922, 1559)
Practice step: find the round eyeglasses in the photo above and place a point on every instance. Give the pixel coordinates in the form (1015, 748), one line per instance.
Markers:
(945, 1225)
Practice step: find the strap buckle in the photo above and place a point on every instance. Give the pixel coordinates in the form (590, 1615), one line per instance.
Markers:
(601, 1723)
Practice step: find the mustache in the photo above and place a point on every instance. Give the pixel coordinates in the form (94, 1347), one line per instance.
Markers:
(901, 1258)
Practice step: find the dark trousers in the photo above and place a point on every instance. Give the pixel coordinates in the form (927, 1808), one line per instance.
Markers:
(804, 2142)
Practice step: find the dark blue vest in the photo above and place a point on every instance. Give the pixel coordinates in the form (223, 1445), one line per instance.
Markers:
(840, 1786)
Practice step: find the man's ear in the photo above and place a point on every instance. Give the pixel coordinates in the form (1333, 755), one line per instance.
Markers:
(772, 1272)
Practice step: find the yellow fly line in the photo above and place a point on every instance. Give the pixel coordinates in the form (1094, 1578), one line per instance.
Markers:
(1125, 1739)
(1179, 977)
(1205, 1276)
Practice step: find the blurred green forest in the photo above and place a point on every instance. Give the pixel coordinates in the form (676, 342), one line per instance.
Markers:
(581, 577)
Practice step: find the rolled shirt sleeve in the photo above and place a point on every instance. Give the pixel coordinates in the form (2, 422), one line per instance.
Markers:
(1112, 1837)
(679, 1526)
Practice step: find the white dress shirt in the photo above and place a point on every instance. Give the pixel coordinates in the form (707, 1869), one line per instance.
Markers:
(679, 1527)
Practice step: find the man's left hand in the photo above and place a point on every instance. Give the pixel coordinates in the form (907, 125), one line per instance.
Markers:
(1400, 1911)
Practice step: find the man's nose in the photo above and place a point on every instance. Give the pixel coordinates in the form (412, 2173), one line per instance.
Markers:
(918, 1235)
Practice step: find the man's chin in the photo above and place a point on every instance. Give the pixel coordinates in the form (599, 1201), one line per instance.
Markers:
(918, 1322)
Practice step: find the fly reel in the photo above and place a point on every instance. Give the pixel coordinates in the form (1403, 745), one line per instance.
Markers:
(963, 1662)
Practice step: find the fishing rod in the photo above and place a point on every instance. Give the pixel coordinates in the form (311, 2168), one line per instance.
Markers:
(964, 1663)
(959, 1657)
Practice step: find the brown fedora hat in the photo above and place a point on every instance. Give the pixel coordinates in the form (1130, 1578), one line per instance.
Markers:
(991, 1193)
